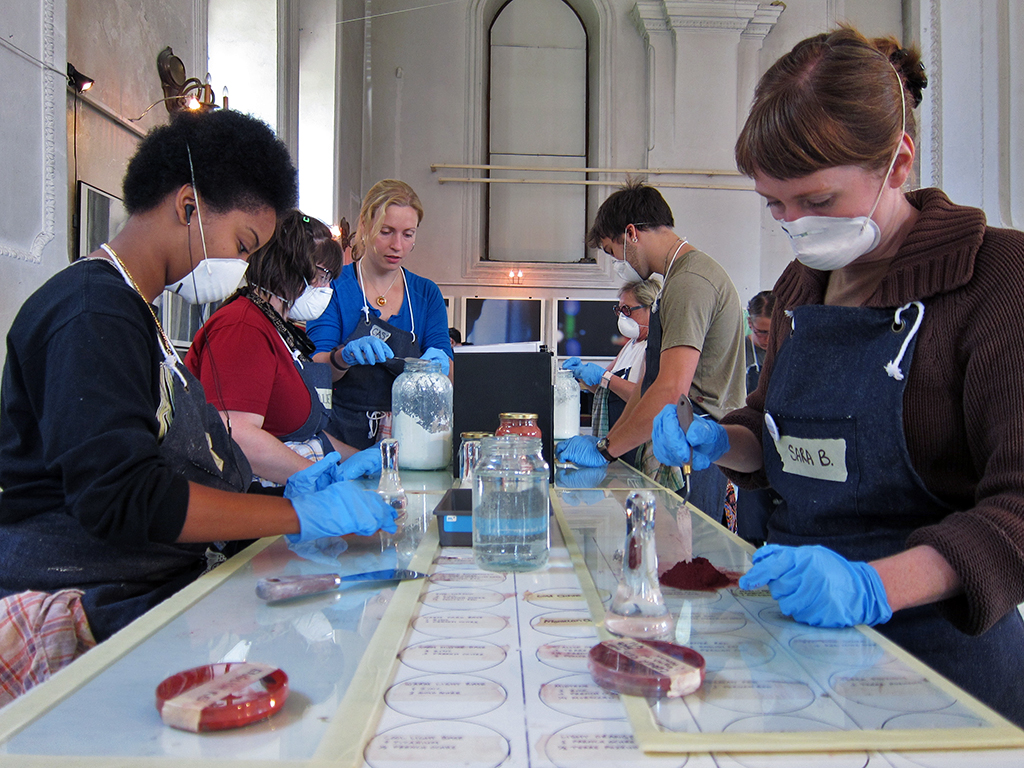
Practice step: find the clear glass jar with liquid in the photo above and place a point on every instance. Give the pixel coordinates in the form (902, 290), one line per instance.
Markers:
(421, 408)
(511, 528)
(567, 405)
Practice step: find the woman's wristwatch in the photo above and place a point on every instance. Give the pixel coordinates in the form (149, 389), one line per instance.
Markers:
(602, 448)
(606, 379)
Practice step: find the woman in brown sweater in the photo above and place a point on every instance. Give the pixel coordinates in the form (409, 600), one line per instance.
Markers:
(889, 410)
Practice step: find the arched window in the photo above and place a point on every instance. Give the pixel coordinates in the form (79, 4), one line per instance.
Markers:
(537, 118)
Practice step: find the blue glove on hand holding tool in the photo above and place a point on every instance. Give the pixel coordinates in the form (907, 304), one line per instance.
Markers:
(366, 350)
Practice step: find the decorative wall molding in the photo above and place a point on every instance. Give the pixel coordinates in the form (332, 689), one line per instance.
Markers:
(51, 91)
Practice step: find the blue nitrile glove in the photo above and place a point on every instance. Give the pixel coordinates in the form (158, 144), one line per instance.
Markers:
(706, 437)
(589, 373)
(581, 451)
(365, 463)
(819, 587)
(436, 354)
(572, 364)
(366, 350)
(315, 477)
(338, 510)
(586, 477)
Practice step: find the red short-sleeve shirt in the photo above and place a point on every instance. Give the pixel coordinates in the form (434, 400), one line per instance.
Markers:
(244, 365)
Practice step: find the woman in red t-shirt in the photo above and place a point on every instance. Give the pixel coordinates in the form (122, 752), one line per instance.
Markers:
(254, 362)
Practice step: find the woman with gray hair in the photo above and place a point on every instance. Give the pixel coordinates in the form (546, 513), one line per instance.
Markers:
(612, 386)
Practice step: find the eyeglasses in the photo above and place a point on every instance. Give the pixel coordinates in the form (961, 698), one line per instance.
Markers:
(323, 278)
(622, 309)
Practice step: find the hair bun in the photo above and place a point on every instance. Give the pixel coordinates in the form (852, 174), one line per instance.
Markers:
(911, 69)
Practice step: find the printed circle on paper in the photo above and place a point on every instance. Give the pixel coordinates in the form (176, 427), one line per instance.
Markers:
(580, 696)
(462, 598)
(603, 744)
(466, 577)
(717, 622)
(737, 690)
(788, 724)
(569, 598)
(567, 655)
(944, 720)
(455, 656)
(459, 624)
(840, 648)
(564, 624)
(445, 697)
(773, 615)
(429, 744)
(721, 651)
(895, 690)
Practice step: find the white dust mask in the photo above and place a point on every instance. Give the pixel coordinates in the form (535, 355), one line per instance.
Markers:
(623, 269)
(211, 280)
(831, 242)
(311, 304)
(629, 327)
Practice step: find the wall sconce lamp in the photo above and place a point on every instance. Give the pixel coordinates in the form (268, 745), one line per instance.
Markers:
(182, 92)
(515, 278)
(81, 83)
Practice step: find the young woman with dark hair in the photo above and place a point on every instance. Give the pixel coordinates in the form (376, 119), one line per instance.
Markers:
(255, 363)
(116, 473)
(888, 413)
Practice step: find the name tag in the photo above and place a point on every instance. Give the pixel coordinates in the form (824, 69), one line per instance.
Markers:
(325, 397)
(821, 459)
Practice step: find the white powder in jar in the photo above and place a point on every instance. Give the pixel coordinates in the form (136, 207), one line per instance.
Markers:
(417, 447)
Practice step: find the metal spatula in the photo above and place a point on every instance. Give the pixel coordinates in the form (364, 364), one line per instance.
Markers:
(684, 412)
(284, 587)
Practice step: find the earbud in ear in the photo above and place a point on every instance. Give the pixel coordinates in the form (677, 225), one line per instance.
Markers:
(189, 210)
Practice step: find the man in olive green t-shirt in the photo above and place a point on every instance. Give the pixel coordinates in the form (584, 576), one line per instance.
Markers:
(695, 341)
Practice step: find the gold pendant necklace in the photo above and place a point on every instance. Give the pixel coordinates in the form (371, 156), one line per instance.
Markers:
(163, 336)
(381, 299)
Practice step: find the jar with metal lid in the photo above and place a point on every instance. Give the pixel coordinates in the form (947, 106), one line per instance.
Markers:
(511, 529)
(469, 455)
(421, 407)
(567, 405)
(522, 424)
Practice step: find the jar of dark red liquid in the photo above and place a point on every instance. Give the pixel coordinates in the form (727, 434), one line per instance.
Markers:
(522, 424)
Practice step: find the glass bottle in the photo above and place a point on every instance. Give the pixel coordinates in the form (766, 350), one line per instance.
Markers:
(390, 485)
(638, 608)
(469, 455)
(523, 424)
(511, 529)
(421, 407)
(567, 405)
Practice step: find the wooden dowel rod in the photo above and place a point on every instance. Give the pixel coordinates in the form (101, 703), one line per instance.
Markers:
(645, 171)
(587, 183)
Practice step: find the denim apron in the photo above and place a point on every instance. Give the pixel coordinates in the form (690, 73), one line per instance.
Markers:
(362, 397)
(835, 451)
(122, 582)
(707, 486)
(317, 378)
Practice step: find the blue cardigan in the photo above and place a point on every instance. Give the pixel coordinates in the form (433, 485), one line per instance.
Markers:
(346, 308)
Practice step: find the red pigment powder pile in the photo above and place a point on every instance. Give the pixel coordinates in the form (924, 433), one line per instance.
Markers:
(699, 573)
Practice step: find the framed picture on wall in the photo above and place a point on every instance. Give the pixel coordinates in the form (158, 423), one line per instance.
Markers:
(587, 328)
(101, 216)
(502, 320)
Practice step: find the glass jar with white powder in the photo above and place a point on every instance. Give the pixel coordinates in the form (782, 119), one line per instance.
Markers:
(421, 408)
(567, 405)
